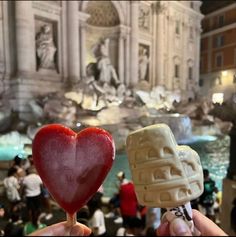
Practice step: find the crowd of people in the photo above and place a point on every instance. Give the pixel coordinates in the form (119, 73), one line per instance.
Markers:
(27, 199)
(29, 202)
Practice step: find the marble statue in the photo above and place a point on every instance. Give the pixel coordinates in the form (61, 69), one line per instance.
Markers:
(159, 98)
(144, 19)
(107, 73)
(105, 92)
(45, 48)
(94, 84)
(102, 80)
(143, 64)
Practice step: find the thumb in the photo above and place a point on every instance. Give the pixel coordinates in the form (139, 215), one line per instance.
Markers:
(178, 227)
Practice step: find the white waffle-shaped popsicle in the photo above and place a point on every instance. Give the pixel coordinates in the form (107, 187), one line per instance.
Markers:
(165, 174)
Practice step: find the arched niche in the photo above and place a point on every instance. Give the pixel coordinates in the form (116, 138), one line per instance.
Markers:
(84, 4)
(103, 23)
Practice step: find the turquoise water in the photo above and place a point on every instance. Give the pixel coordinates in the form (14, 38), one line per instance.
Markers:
(110, 183)
(9, 152)
(214, 155)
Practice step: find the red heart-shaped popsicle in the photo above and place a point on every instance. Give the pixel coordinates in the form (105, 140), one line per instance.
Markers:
(72, 165)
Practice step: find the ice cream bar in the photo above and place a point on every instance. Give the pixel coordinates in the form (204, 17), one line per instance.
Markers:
(165, 174)
(72, 165)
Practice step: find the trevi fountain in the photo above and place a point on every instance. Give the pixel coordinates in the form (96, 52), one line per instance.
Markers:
(120, 65)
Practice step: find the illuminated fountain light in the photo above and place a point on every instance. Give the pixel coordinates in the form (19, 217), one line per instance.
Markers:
(12, 144)
(9, 152)
(197, 139)
(218, 98)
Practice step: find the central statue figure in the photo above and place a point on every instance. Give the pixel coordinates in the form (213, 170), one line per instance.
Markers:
(101, 77)
(107, 73)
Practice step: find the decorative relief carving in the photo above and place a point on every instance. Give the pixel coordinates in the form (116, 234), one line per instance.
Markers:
(103, 13)
(190, 47)
(124, 31)
(159, 7)
(144, 17)
(45, 7)
(143, 62)
(177, 42)
(45, 45)
(55, 2)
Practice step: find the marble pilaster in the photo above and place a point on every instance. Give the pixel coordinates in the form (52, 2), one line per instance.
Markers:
(160, 49)
(121, 49)
(82, 30)
(127, 59)
(170, 67)
(83, 48)
(185, 47)
(197, 62)
(73, 42)
(134, 42)
(121, 58)
(1, 35)
(24, 30)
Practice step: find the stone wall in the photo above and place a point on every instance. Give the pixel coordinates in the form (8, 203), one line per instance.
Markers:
(26, 71)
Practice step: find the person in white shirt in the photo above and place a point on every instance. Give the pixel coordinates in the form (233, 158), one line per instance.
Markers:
(12, 188)
(32, 185)
(18, 164)
(97, 219)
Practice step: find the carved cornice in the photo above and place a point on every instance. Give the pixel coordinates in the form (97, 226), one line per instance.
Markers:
(124, 31)
(159, 7)
(83, 17)
(47, 7)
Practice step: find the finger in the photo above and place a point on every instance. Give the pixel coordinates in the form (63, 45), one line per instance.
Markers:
(56, 229)
(178, 227)
(206, 226)
(80, 230)
(196, 232)
(163, 229)
(62, 229)
(163, 218)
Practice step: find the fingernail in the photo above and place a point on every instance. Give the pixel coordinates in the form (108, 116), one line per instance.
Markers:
(179, 227)
(76, 230)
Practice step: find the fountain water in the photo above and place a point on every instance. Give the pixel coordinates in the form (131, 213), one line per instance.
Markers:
(135, 110)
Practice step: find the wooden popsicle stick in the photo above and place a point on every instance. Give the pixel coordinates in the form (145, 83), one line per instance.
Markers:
(71, 219)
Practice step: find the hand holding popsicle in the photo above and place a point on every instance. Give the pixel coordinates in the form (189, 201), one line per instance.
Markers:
(165, 175)
(178, 227)
(72, 165)
(62, 229)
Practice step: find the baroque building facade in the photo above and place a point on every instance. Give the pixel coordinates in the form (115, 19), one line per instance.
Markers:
(45, 46)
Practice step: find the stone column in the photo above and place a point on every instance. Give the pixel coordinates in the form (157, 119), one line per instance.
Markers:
(185, 56)
(121, 56)
(134, 43)
(197, 61)
(82, 30)
(1, 34)
(24, 30)
(127, 59)
(73, 42)
(170, 37)
(83, 48)
(160, 49)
